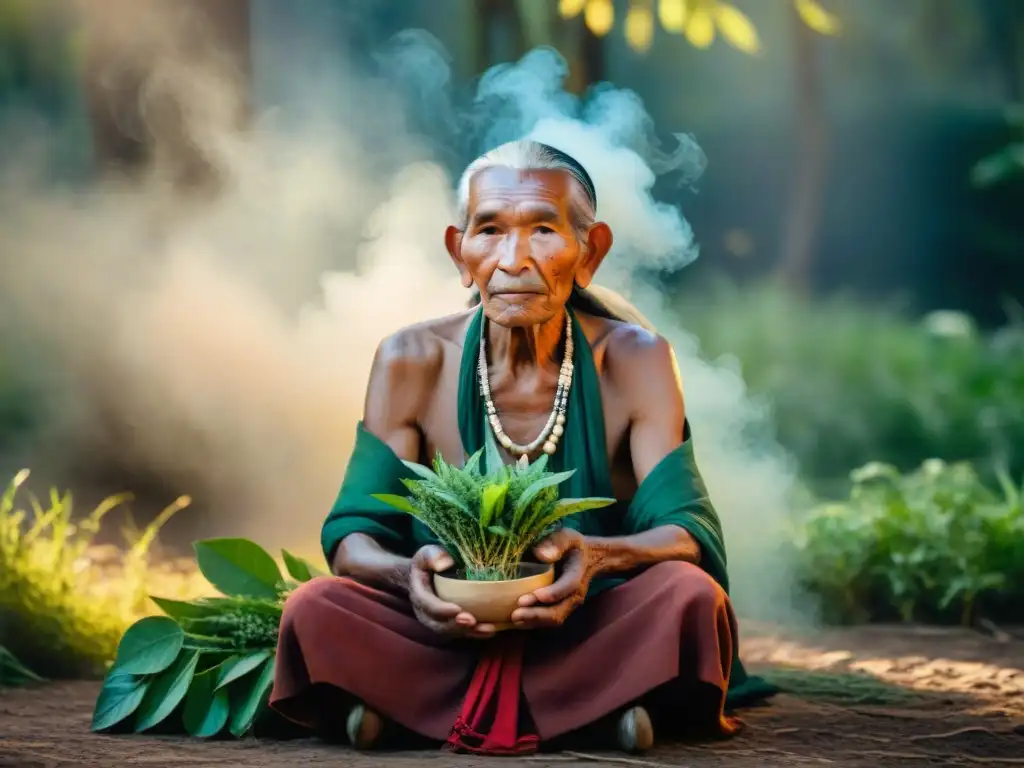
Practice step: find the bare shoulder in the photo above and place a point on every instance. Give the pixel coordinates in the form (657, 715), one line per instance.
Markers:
(641, 367)
(415, 354)
(633, 353)
(406, 372)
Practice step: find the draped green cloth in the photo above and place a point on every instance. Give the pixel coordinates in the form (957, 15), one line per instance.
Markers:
(672, 494)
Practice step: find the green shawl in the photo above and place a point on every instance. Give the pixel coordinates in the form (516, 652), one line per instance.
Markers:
(672, 494)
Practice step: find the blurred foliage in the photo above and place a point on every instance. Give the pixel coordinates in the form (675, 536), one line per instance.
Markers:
(1006, 163)
(59, 615)
(935, 545)
(699, 21)
(19, 403)
(14, 674)
(850, 384)
(39, 49)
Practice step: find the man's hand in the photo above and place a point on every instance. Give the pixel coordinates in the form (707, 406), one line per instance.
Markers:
(551, 606)
(433, 612)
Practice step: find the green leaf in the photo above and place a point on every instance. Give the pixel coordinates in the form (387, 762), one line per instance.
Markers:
(206, 708)
(955, 588)
(119, 697)
(238, 567)
(451, 500)
(472, 466)
(497, 530)
(149, 646)
(180, 609)
(538, 467)
(1011, 493)
(13, 673)
(299, 569)
(425, 472)
(400, 503)
(493, 461)
(239, 666)
(252, 698)
(526, 498)
(166, 692)
(999, 166)
(492, 502)
(566, 507)
(211, 659)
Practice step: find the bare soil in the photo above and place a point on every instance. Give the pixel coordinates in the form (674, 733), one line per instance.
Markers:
(956, 699)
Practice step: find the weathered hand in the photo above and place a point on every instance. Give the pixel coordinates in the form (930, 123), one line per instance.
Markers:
(433, 612)
(551, 606)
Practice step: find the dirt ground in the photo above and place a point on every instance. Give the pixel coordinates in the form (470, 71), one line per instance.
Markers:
(956, 698)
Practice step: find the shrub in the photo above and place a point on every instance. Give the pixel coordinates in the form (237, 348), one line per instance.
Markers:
(936, 544)
(58, 616)
(848, 384)
(487, 520)
(208, 665)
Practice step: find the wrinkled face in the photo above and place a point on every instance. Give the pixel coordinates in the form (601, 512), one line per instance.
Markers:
(519, 247)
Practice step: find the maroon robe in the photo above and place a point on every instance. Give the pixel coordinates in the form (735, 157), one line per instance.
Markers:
(664, 639)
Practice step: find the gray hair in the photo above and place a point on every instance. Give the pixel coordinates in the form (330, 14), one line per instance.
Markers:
(529, 155)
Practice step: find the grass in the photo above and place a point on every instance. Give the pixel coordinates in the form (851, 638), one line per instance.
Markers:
(61, 613)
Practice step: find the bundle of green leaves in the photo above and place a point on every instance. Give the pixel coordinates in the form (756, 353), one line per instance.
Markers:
(488, 518)
(208, 664)
(937, 544)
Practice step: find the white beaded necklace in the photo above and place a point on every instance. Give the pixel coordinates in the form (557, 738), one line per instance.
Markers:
(555, 426)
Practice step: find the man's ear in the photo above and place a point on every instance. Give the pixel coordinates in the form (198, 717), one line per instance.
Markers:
(599, 242)
(453, 242)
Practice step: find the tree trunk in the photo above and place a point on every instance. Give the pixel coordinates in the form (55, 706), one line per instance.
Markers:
(1005, 19)
(585, 53)
(796, 257)
(500, 33)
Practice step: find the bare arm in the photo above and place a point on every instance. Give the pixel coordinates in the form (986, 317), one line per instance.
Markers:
(654, 388)
(401, 377)
(360, 557)
(647, 371)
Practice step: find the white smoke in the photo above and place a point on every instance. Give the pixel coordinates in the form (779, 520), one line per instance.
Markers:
(223, 344)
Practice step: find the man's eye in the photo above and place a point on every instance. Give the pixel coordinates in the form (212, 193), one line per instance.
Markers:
(488, 230)
(545, 230)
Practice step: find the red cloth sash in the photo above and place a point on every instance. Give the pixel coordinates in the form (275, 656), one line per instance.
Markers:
(493, 720)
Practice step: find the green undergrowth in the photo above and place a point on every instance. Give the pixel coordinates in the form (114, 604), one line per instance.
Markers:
(58, 615)
(937, 545)
(848, 383)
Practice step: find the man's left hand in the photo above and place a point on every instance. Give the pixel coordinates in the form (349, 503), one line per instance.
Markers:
(551, 606)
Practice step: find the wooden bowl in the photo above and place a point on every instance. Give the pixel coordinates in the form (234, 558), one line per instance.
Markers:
(492, 602)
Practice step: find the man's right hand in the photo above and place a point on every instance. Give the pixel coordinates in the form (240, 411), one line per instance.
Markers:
(433, 612)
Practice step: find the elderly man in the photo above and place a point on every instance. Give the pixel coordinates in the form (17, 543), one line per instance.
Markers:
(637, 633)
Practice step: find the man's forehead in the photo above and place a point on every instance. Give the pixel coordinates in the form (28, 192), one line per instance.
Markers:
(498, 187)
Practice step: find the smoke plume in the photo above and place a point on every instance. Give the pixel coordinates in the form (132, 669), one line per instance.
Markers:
(222, 343)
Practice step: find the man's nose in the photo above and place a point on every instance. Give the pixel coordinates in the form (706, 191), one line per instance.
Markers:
(515, 253)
